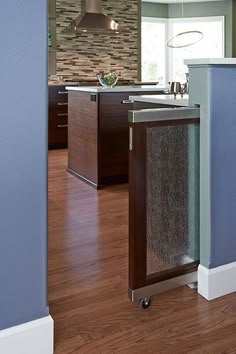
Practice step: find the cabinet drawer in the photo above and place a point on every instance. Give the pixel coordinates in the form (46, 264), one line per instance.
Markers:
(57, 107)
(60, 118)
(59, 127)
(57, 132)
(58, 92)
(61, 134)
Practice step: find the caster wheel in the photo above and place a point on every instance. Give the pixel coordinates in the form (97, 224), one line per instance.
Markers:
(145, 303)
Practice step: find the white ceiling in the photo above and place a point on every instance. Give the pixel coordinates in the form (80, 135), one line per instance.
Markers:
(177, 1)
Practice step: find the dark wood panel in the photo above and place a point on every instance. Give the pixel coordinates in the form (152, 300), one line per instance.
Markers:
(113, 134)
(137, 208)
(82, 136)
(59, 131)
(51, 132)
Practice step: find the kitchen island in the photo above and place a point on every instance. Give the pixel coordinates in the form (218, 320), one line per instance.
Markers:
(98, 138)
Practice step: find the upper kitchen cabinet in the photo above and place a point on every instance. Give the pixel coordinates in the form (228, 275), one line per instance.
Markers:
(51, 37)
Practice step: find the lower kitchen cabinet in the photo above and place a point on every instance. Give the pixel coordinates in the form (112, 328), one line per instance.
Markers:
(57, 117)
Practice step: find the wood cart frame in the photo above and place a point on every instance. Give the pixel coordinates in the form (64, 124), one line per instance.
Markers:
(141, 285)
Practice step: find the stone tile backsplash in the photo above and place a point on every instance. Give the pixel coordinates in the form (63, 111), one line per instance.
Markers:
(81, 56)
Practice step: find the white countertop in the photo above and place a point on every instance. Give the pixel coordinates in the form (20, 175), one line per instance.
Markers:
(211, 61)
(134, 88)
(171, 100)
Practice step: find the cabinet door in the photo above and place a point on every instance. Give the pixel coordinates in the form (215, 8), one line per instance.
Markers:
(113, 136)
(82, 136)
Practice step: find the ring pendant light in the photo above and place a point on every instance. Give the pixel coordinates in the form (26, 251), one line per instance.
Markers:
(186, 38)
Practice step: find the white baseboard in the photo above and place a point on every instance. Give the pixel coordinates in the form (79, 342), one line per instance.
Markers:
(35, 337)
(216, 282)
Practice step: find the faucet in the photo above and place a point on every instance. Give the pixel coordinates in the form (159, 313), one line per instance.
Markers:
(186, 85)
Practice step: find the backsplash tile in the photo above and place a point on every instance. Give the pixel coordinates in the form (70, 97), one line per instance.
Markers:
(81, 56)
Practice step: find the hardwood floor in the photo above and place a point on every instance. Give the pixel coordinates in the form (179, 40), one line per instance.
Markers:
(88, 232)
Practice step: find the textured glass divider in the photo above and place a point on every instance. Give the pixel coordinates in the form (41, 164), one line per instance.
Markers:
(172, 197)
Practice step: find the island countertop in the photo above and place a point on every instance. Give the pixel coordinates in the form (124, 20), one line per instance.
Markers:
(210, 61)
(172, 100)
(128, 88)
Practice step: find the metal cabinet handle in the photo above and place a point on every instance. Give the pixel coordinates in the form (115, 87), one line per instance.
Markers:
(127, 102)
(62, 114)
(62, 92)
(130, 138)
(62, 126)
(62, 104)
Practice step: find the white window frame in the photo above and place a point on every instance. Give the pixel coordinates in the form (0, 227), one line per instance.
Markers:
(169, 33)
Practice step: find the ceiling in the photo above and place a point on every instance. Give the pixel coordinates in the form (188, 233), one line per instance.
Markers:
(177, 1)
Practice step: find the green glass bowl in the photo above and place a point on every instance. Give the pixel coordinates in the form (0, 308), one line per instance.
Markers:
(108, 81)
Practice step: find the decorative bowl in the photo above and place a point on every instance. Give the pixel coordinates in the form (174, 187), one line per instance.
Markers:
(107, 80)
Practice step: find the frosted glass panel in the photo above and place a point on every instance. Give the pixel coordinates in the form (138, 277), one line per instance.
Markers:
(172, 197)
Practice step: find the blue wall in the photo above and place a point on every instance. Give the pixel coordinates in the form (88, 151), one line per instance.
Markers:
(23, 162)
(223, 165)
(217, 161)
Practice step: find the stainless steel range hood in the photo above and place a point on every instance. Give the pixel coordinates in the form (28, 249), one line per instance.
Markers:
(92, 19)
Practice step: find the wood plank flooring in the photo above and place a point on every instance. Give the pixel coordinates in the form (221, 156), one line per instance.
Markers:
(88, 250)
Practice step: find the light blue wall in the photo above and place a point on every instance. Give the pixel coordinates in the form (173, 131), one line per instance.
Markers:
(150, 9)
(23, 162)
(217, 161)
(234, 27)
(223, 166)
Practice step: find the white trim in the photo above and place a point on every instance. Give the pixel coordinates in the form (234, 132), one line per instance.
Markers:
(216, 282)
(197, 19)
(154, 19)
(35, 337)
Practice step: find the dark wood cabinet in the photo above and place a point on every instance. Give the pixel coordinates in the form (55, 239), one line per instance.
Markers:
(83, 136)
(113, 136)
(58, 117)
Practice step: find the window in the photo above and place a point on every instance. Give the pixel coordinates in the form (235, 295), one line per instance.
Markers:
(154, 50)
(163, 64)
